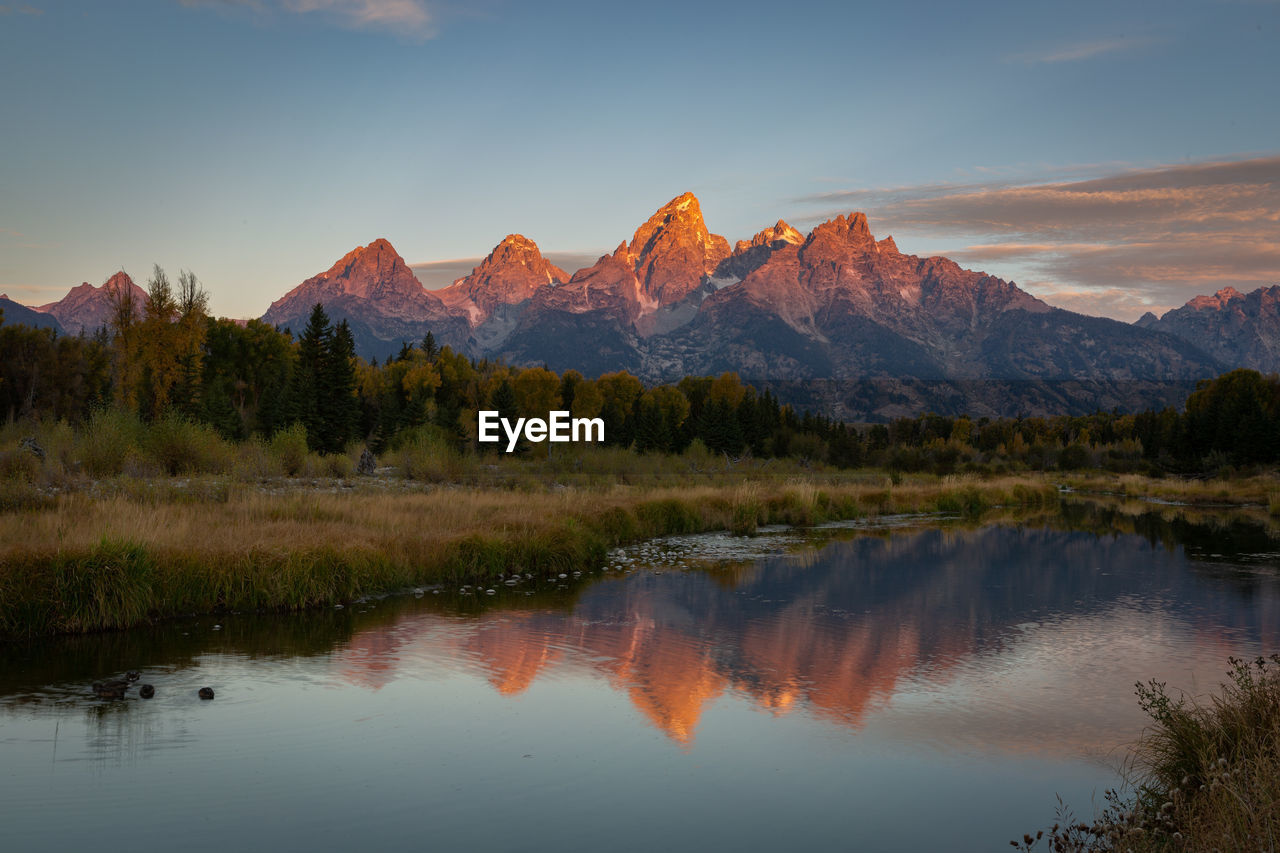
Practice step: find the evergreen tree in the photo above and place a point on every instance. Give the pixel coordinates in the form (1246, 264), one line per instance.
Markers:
(340, 414)
(720, 429)
(504, 401)
(568, 388)
(649, 431)
(308, 376)
(844, 449)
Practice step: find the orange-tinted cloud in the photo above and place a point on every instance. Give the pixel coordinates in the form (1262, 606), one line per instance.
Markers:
(408, 18)
(1160, 235)
(1081, 50)
(437, 274)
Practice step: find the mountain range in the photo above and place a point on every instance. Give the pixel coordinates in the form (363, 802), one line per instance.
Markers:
(16, 313)
(1238, 329)
(87, 308)
(835, 317)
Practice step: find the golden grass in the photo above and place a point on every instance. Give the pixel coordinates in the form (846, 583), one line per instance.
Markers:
(1205, 775)
(1234, 491)
(63, 567)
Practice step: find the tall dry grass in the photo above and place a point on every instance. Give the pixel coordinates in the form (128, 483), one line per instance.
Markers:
(1204, 776)
(87, 563)
(1232, 491)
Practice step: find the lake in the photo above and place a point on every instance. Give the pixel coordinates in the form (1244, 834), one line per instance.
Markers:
(903, 685)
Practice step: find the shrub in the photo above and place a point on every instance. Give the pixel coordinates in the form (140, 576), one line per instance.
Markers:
(423, 454)
(19, 465)
(1205, 775)
(339, 465)
(108, 440)
(289, 447)
(182, 446)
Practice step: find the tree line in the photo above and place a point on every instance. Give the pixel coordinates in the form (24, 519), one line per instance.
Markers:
(246, 379)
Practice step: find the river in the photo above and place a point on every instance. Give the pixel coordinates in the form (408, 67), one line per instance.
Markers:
(901, 685)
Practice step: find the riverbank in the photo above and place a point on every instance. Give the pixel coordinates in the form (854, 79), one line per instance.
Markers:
(1205, 775)
(88, 562)
(81, 554)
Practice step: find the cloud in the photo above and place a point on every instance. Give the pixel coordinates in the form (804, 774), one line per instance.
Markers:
(1160, 235)
(24, 9)
(437, 274)
(407, 18)
(1077, 51)
(11, 239)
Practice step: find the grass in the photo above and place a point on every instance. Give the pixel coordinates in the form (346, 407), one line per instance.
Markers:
(147, 549)
(271, 524)
(1204, 776)
(1262, 489)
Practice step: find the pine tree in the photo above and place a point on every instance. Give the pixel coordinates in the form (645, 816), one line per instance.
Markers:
(341, 407)
(649, 427)
(504, 400)
(720, 429)
(305, 396)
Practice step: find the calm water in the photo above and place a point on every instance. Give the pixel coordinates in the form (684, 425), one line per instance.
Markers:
(911, 688)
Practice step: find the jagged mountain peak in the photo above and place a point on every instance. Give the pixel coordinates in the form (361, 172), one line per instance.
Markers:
(371, 271)
(508, 275)
(377, 260)
(519, 250)
(681, 213)
(1216, 301)
(116, 282)
(852, 229)
(673, 251)
(373, 289)
(87, 308)
(1238, 329)
(782, 232)
(836, 303)
(375, 274)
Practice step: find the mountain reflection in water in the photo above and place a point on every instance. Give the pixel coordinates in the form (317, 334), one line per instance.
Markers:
(1043, 623)
(755, 705)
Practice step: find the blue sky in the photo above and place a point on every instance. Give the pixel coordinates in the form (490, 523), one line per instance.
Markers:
(1108, 156)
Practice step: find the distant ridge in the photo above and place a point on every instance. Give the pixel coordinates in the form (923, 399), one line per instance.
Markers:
(87, 308)
(1238, 329)
(836, 305)
(14, 313)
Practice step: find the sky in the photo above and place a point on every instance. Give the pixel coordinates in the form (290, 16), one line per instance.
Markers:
(1111, 157)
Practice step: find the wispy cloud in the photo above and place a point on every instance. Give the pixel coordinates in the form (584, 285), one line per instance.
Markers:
(407, 18)
(437, 274)
(11, 239)
(1158, 236)
(23, 9)
(1078, 51)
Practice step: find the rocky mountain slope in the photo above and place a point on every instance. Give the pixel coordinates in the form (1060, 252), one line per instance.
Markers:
(373, 289)
(823, 313)
(87, 308)
(835, 308)
(14, 313)
(1238, 329)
